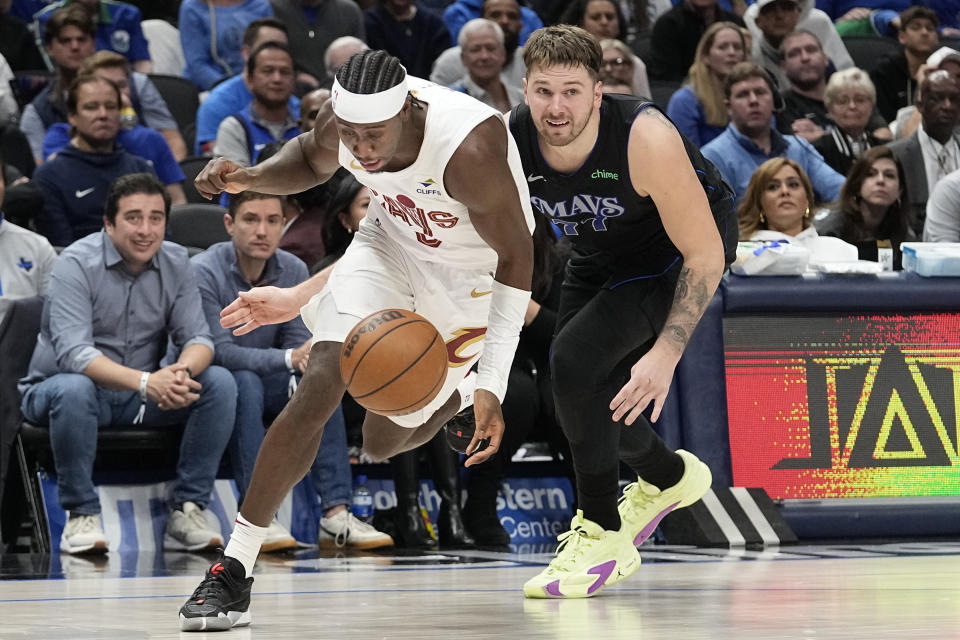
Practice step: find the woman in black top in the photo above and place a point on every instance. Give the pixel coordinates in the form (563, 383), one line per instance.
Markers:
(874, 208)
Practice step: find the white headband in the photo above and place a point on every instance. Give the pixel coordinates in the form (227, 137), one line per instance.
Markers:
(364, 108)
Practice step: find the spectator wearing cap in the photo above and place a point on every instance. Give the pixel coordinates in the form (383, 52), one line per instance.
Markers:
(676, 34)
(895, 74)
(933, 150)
(908, 117)
(770, 21)
(850, 99)
(750, 139)
(118, 29)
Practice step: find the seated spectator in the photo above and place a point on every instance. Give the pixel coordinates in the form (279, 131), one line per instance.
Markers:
(932, 151)
(18, 44)
(22, 198)
(233, 95)
(698, 109)
(139, 140)
(750, 140)
(312, 26)
(894, 75)
(943, 211)
(118, 29)
(849, 98)
(620, 65)
(873, 211)
(776, 205)
(908, 118)
(114, 299)
(211, 36)
(481, 47)
(615, 86)
(348, 206)
(268, 118)
(448, 69)
(267, 364)
(26, 258)
(68, 39)
(771, 20)
(404, 30)
(76, 181)
(677, 33)
(462, 11)
(339, 51)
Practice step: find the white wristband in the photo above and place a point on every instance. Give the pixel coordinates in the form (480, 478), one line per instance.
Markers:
(144, 376)
(508, 306)
(288, 359)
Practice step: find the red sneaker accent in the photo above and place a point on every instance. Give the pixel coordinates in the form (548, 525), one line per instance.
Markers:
(216, 569)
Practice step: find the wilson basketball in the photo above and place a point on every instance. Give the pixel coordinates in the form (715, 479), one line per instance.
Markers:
(393, 362)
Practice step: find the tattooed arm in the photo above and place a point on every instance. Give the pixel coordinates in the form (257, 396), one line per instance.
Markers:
(660, 168)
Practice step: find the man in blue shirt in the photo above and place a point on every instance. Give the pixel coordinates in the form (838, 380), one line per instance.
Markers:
(118, 29)
(750, 139)
(233, 95)
(267, 364)
(243, 135)
(115, 299)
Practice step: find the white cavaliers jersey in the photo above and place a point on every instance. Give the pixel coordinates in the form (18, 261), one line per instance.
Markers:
(412, 205)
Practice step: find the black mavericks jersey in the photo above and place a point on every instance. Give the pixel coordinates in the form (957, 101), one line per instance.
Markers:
(596, 206)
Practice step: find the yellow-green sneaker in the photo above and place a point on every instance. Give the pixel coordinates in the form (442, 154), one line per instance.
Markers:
(642, 505)
(588, 559)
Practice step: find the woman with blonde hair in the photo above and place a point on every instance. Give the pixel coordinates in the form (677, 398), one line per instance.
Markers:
(620, 66)
(777, 203)
(699, 109)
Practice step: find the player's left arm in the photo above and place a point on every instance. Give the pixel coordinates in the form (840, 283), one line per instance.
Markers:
(479, 176)
(660, 168)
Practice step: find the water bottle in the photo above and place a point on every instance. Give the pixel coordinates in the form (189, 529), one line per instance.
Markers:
(362, 500)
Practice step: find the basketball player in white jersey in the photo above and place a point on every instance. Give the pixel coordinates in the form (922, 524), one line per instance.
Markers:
(447, 234)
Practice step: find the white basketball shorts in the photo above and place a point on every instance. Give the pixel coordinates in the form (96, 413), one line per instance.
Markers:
(376, 273)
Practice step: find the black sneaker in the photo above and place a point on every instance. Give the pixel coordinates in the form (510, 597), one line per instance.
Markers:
(460, 429)
(221, 601)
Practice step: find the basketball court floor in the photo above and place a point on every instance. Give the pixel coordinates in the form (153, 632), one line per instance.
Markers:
(849, 592)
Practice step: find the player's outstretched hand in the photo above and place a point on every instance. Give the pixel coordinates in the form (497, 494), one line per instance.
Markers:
(220, 175)
(649, 382)
(489, 418)
(258, 307)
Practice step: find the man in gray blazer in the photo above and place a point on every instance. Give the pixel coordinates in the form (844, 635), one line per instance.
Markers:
(933, 150)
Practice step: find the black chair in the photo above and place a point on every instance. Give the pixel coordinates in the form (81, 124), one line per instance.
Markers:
(191, 167)
(197, 225)
(661, 90)
(123, 454)
(183, 100)
(866, 51)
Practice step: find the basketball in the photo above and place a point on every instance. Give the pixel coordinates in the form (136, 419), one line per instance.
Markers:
(393, 362)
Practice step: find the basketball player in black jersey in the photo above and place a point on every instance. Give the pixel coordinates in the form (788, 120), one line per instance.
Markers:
(652, 226)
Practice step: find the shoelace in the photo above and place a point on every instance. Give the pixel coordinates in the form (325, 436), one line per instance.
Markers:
(573, 543)
(83, 524)
(212, 585)
(635, 497)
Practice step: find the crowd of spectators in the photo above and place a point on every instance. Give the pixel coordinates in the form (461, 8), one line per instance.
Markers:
(812, 144)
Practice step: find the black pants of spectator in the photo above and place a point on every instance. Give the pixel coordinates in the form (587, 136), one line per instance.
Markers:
(603, 328)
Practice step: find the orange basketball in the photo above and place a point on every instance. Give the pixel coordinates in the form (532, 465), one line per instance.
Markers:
(393, 362)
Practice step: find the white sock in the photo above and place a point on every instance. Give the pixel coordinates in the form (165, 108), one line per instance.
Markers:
(466, 388)
(245, 543)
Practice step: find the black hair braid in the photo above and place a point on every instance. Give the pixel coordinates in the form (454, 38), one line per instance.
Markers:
(370, 72)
